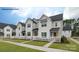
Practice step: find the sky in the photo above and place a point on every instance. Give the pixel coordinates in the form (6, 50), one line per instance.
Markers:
(14, 15)
(71, 12)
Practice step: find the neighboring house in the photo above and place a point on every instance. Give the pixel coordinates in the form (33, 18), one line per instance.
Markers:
(67, 31)
(31, 28)
(10, 31)
(2, 25)
(20, 30)
(7, 30)
(75, 31)
(46, 28)
(76, 27)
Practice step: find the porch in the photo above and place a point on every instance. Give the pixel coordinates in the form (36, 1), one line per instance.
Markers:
(55, 39)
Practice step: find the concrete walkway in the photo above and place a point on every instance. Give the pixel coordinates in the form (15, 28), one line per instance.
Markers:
(36, 47)
(48, 44)
(25, 41)
(75, 40)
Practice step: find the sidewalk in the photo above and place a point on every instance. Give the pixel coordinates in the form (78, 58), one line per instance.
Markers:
(36, 47)
(75, 40)
(47, 45)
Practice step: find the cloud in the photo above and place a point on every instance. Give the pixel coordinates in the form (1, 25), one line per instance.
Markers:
(54, 10)
(22, 12)
(36, 12)
(71, 12)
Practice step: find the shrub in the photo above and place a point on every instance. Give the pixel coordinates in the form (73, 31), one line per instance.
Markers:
(64, 40)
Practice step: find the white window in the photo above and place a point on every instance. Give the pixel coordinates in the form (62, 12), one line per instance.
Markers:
(28, 33)
(8, 35)
(56, 24)
(8, 30)
(43, 24)
(19, 28)
(0, 30)
(44, 34)
(28, 25)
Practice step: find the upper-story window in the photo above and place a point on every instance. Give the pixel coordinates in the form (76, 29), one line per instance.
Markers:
(28, 25)
(8, 30)
(0, 30)
(43, 23)
(19, 28)
(56, 24)
(44, 34)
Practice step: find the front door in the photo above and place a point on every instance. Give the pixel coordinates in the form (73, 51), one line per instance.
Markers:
(55, 34)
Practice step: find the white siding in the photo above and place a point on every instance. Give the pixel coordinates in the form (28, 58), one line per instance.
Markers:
(30, 28)
(7, 32)
(66, 33)
(19, 30)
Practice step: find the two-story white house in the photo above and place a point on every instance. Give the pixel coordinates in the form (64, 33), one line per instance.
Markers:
(20, 30)
(7, 30)
(31, 25)
(46, 28)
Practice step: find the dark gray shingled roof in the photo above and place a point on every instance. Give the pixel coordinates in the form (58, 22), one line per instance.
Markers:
(34, 21)
(57, 17)
(54, 29)
(22, 23)
(67, 27)
(12, 26)
(2, 25)
(36, 29)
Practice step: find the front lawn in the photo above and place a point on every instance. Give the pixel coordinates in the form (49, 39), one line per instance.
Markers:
(7, 47)
(37, 43)
(20, 40)
(72, 46)
(17, 40)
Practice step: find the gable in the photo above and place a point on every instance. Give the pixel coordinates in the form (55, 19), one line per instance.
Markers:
(20, 23)
(43, 17)
(7, 27)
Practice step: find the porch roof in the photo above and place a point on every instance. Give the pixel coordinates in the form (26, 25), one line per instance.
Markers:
(54, 29)
(36, 29)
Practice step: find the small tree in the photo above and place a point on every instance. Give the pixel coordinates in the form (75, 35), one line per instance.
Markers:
(64, 40)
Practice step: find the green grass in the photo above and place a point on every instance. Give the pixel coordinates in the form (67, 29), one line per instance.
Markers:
(6, 47)
(17, 40)
(72, 46)
(37, 43)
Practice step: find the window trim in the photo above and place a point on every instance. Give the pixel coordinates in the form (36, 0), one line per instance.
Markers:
(8, 30)
(28, 25)
(29, 34)
(43, 24)
(44, 34)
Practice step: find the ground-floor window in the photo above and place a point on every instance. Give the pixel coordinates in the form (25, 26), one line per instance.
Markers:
(19, 34)
(8, 35)
(35, 33)
(44, 34)
(28, 33)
